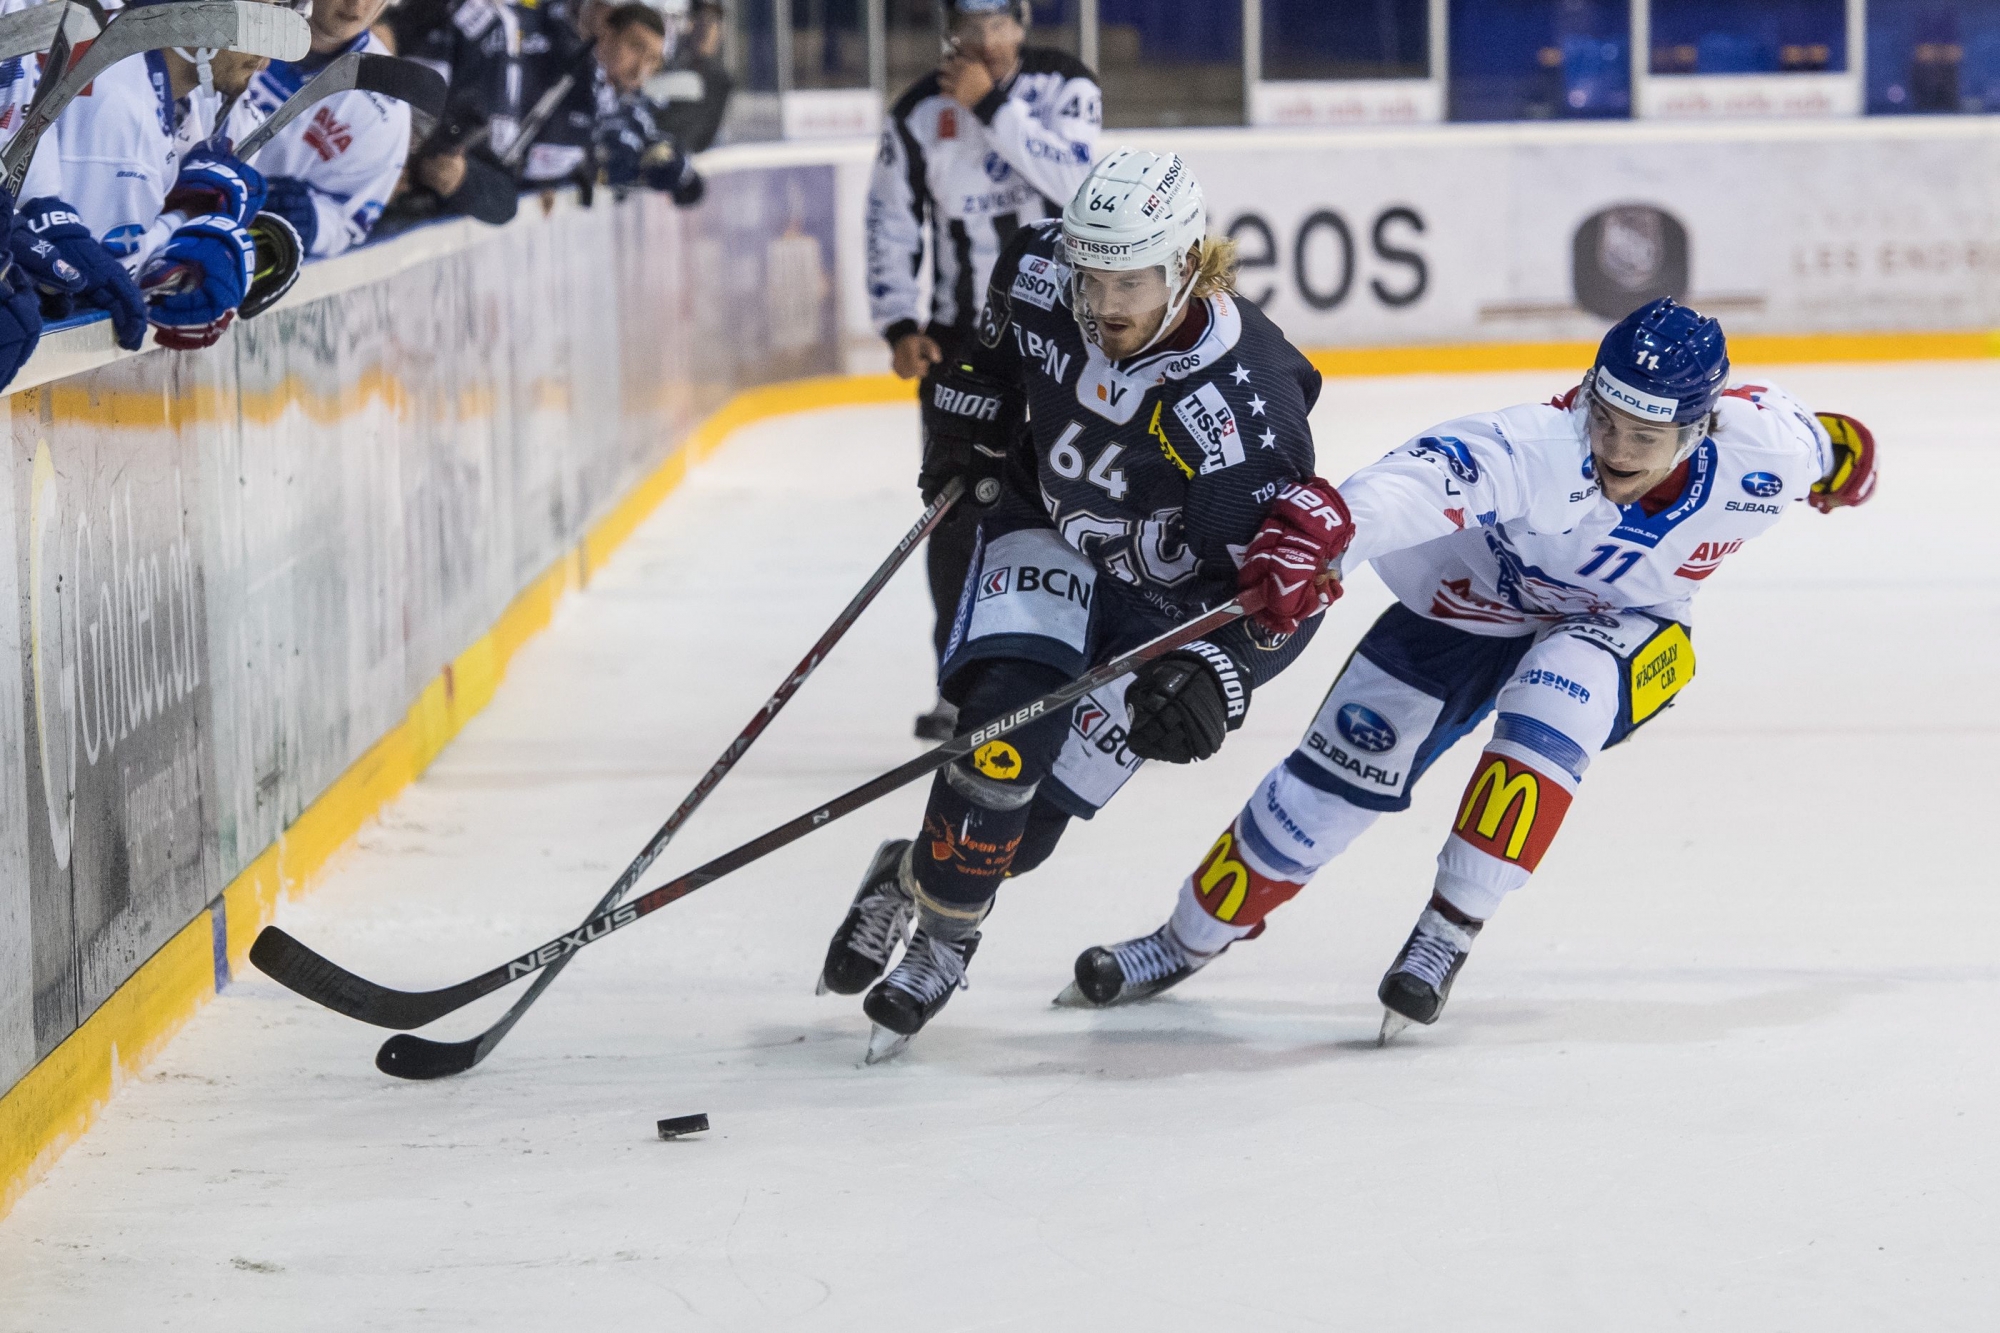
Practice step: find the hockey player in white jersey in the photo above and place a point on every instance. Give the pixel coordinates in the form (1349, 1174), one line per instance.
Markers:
(139, 162)
(62, 265)
(1545, 560)
(330, 172)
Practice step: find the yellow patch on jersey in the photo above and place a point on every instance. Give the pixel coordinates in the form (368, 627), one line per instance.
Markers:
(998, 760)
(1167, 445)
(1660, 670)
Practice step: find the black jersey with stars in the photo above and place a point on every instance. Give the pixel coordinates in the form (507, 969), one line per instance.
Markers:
(1159, 468)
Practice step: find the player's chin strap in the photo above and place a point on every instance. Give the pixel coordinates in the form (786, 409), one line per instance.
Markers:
(1174, 308)
(200, 58)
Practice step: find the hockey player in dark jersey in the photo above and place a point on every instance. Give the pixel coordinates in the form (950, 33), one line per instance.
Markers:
(999, 135)
(1166, 462)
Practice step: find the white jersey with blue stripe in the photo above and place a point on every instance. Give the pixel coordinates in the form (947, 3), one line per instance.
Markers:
(349, 147)
(18, 77)
(119, 147)
(1495, 524)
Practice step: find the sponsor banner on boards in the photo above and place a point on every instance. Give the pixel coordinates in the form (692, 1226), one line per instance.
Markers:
(1513, 234)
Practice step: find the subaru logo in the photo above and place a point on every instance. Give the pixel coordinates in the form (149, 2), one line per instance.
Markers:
(1763, 484)
(1364, 728)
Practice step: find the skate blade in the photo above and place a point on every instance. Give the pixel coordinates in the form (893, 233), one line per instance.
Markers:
(884, 1045)
(1072, 998)
(1392, 1024)
(819, 987)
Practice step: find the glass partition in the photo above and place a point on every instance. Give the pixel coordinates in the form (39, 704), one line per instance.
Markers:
(753, 50)
(1171, 62)
(1933, 56)
(1540, 59)
(829, 43)
(1359, 39)
(1748, 36)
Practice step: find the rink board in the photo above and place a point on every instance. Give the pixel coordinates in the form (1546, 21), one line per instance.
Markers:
(252, 591)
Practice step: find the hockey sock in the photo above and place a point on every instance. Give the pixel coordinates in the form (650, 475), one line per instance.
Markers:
(1234, 889)
(1506, 821)
(972, 830)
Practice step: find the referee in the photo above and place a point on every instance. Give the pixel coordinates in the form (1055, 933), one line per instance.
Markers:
(999, 135)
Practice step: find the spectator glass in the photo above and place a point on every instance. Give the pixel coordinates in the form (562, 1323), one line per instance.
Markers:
(1540, 59)
(1372, 39)
(1748, 36)
(1933, 56)
(1171, 62)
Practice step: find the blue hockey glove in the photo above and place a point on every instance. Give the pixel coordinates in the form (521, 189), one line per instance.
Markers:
(622, 139)
(292, 199)
(20, 322)
(212, 181)
(669, 170)
(102, 280)
(196, 282)
(55, 276)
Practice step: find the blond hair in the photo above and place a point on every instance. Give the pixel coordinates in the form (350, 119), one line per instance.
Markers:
(1218, 267)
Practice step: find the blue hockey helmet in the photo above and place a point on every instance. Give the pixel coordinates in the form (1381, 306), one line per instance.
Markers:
(1663, 362)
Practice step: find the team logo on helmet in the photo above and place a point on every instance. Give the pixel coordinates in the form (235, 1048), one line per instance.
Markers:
(1365, 729)
(1763, 484)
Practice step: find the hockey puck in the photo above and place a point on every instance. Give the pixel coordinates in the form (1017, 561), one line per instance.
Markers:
(680, 1126)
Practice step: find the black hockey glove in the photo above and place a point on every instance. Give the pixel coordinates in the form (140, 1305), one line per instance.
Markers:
(969, 421)
(1185, 703)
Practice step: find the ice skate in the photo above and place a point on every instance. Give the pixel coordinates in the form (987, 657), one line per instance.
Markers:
(1419, 982)
(940, 724)
(909, 997)
(877, 922)
(1136, 970)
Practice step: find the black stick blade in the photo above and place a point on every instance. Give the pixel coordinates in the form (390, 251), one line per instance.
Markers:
(296, 967)
(405, 80)
(420, 1059)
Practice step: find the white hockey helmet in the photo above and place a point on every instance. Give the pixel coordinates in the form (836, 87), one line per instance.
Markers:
(1136, 211)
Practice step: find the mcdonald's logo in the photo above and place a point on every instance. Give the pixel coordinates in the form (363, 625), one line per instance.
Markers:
(1218, 869)
(1511, 812)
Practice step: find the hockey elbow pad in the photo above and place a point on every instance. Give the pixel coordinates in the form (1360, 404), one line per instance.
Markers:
(1852, 480)
(1184, 705)
(969, 421)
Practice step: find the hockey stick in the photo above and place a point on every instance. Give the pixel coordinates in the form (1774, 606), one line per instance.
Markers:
(217, 25)
(292, 964)
(406, 1056)
(29, 31)
(538, 116)
(405, 80)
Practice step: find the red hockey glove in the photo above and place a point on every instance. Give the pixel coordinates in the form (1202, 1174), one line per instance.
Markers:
(1852, 480)
(1305, 530)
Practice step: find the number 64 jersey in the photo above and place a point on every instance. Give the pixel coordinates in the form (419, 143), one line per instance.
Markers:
(1157, 469)
(1495, 524)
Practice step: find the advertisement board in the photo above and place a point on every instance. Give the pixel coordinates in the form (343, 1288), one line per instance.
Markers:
(1512, 233)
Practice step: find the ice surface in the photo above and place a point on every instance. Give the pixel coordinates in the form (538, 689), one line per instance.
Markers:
(1729, 1063)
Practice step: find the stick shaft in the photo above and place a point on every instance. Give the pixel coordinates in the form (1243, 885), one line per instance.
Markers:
(481, 1046)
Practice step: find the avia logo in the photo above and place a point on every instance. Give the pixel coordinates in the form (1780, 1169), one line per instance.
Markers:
(327, 136)
(1707, 558)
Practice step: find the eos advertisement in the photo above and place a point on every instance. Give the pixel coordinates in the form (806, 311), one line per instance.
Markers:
(1517, 234)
